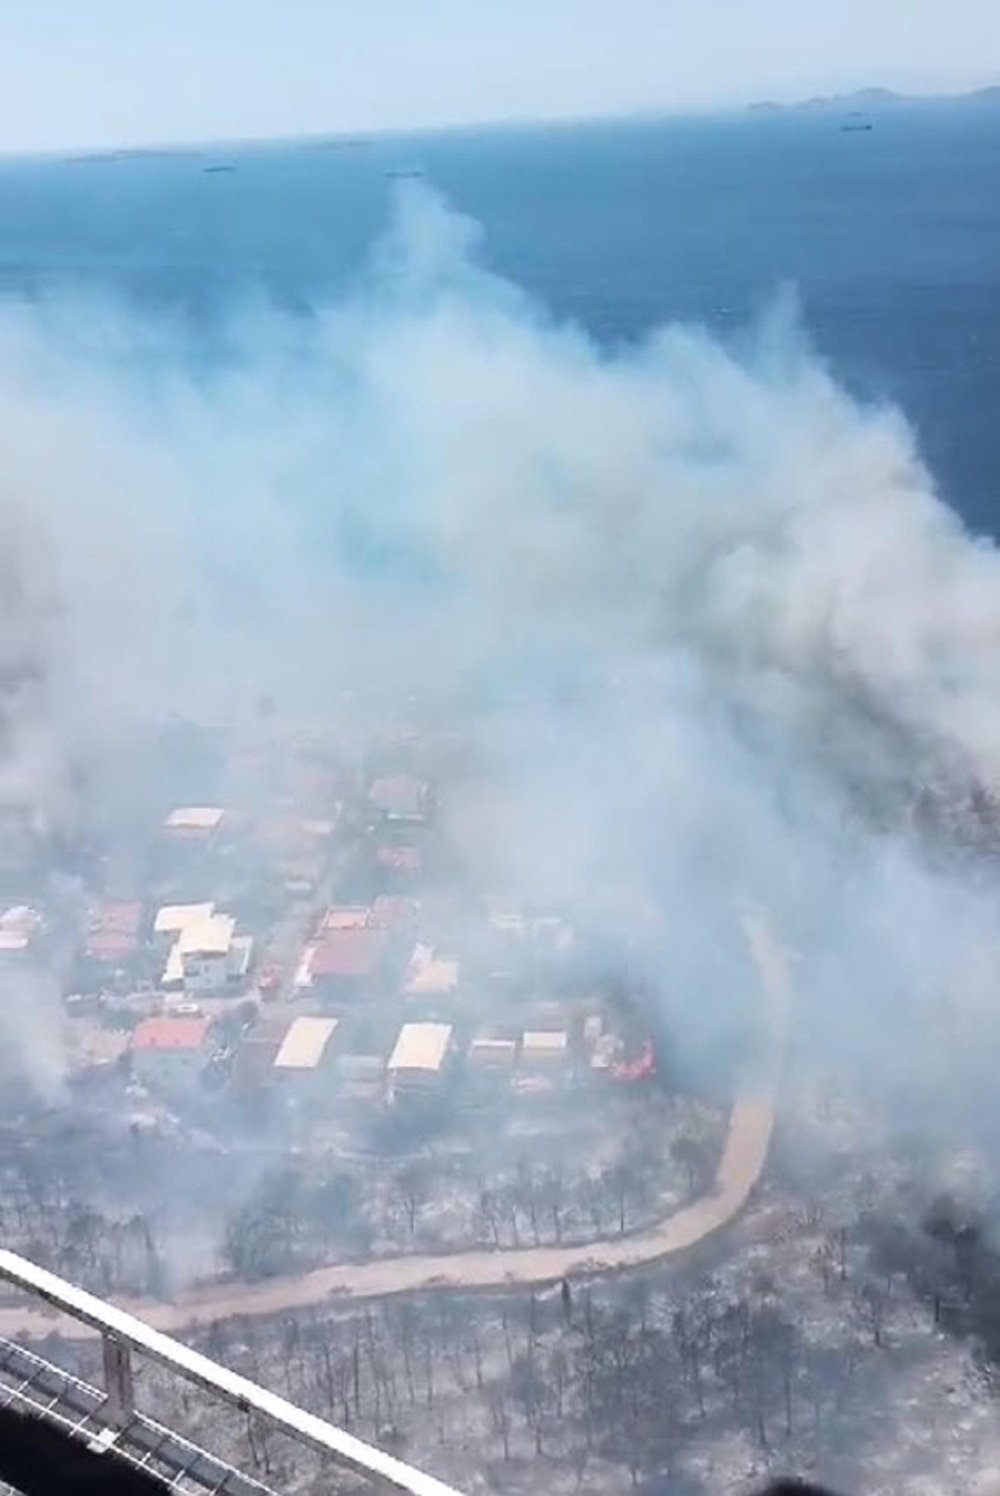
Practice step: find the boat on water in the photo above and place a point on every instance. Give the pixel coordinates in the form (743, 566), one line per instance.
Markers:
(223, 166)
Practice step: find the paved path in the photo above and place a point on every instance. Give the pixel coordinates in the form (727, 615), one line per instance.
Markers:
(743, 1157)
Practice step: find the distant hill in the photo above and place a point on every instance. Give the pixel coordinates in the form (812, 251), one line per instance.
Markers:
(873, 100)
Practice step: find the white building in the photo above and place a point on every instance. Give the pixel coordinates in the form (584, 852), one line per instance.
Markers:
(418, 1058)
(205, 954)
(194, 820)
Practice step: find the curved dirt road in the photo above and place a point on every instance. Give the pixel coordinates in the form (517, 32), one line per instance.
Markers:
(743, 1157)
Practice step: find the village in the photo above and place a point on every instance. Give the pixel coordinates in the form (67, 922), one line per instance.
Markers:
(301, 978)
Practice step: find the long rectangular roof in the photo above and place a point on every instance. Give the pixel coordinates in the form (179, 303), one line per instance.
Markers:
(194, 818)
(421, 1046)
(305, 1043)
(545, 1042)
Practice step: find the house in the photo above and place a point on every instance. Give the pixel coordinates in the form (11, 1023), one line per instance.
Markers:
(206, 955)
(302, 1060)
(493, 1054)
(603, 1053)
(429, 975)
(204, 950)
(419, 1057)
(20, 929)
(393, 911)
(193, 822)
(113, 933)
(346, 964)
(169, 1053)
(544, 1049)
(304, 1045)
(21, 938)
(400, 799)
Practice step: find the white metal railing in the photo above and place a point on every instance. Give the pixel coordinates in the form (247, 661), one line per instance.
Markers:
(121, 1333)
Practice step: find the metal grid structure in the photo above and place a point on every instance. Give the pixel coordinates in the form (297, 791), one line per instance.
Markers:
(33, 1385)
(106, 1418)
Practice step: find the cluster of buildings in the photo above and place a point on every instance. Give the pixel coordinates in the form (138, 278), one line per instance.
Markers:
(314, 906)
(377, 1011)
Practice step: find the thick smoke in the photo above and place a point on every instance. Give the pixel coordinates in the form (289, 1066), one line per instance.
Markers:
(726, 637)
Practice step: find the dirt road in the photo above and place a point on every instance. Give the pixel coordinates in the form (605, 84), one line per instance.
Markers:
(743, 1157)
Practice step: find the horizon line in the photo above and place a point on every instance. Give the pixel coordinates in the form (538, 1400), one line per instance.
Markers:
(364, 136)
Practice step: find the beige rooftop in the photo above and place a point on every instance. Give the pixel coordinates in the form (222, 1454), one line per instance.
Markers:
(173, 918)
(305, 1043)
(211, 936)
(544, 1042)
(421, 1046)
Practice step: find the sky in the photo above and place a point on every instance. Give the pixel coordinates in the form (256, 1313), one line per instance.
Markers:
(89, 73)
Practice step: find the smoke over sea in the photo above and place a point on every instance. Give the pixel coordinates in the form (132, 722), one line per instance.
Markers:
(731, 641)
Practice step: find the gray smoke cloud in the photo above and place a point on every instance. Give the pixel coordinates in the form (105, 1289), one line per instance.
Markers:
(724, 630)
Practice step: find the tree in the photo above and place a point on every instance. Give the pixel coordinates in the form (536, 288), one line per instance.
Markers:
(500, 1418)
(254, 1243)
(529, 1390)
(553, 1193)
(490, 1212)
(772, 1350)
(336, 1206)
(693, 1157)
(412, 1187)
(618, 1183)
(871, 1302)
(524, 1194)
(259, 1238)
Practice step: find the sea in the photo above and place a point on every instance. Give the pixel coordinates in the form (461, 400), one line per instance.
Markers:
(890, 237)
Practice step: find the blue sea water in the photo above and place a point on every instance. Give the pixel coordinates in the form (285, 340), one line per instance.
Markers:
(892, 238)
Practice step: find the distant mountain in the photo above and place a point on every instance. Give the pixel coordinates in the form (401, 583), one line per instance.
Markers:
(870, 100)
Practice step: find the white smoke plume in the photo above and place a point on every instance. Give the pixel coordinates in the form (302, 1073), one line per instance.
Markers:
(735, 630)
